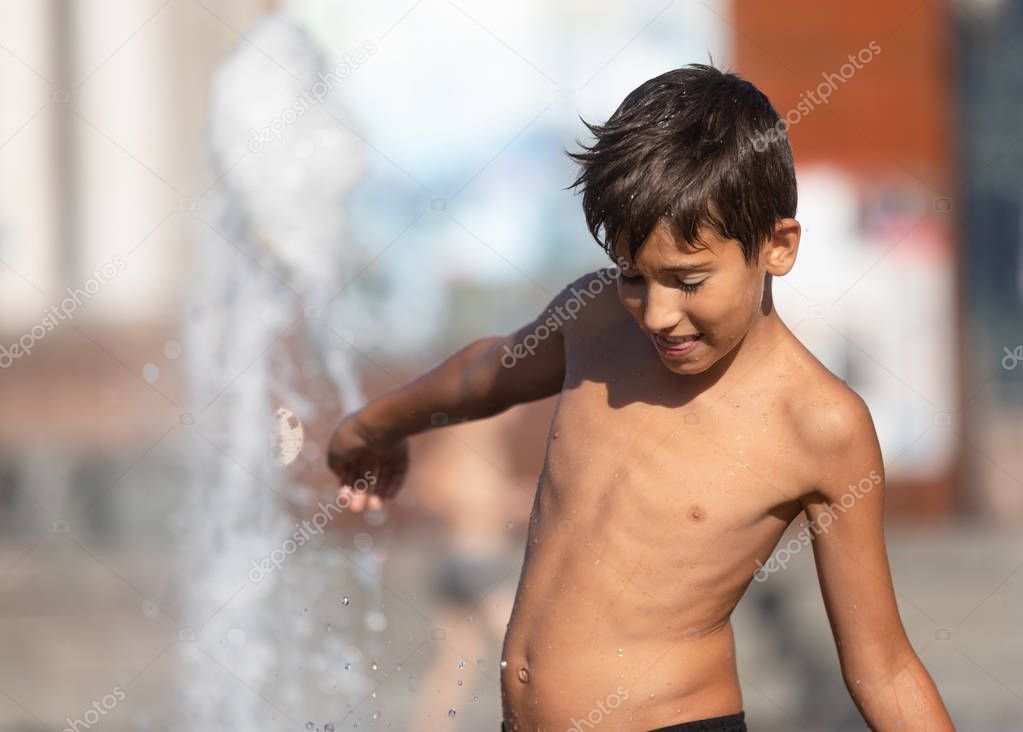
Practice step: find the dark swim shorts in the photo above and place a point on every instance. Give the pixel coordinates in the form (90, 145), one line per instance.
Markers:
(728, 723)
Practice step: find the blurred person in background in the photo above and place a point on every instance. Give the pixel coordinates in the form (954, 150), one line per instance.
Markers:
(465, 481)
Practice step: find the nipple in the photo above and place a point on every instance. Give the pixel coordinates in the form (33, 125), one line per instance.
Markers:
(555, 435)
(523, 675)
(696, 513)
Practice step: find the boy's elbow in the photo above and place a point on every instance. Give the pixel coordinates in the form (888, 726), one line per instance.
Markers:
(887, 686)
(870, 666)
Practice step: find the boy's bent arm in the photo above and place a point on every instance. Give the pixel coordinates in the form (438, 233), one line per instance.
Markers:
(485, 378)
(885, 678)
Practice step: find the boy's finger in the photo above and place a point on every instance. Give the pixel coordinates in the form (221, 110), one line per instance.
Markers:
(356, 487)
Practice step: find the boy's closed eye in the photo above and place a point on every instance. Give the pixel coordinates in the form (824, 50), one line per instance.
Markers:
(684, 285)
(690, 286)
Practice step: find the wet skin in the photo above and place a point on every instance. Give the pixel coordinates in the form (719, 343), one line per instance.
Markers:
(664, 481)
(668, 481)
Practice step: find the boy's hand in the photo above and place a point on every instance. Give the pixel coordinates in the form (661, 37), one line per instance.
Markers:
(368, 472)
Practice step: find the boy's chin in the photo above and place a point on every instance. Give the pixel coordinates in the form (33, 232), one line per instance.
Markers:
(685, 368)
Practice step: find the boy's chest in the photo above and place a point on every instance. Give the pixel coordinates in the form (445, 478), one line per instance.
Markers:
(625, 430)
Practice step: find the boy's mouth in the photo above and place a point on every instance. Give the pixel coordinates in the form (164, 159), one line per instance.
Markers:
(676, 345)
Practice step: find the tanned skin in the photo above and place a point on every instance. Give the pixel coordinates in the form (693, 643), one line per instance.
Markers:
(667, 483)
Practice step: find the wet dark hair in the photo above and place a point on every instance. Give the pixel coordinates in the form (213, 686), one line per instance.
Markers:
(696, 146)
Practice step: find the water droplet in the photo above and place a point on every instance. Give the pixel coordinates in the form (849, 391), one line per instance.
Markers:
(475, 698)
(328, 727)
(328, 627)
(451, 713)
(348, 667)
(374, 666)
(345, 600)
(376, 715)
(172, 350)
(459, 682)
(376, 621)
(309, 725)
(504, 664)
(461, 664)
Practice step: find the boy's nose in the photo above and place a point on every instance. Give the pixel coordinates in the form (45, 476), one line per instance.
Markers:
(660, 309)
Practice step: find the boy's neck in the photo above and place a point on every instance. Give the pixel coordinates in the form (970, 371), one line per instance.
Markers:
(752, 352)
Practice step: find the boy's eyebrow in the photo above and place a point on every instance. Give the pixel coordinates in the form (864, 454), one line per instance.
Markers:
(686, 267)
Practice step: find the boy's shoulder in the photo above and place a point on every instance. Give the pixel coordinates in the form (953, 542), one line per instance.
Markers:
(588, 297)
(598, 284)
(827, 415)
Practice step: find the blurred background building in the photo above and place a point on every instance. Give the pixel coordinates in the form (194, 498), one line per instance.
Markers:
(446, 129)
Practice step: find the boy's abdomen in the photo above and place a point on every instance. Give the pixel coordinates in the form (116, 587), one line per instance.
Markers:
(585, 641)
(654, 687)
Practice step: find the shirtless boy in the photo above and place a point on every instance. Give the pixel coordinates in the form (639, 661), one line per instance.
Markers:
(691, 428)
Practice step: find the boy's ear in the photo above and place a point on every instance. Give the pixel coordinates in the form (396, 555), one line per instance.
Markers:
(780, 251)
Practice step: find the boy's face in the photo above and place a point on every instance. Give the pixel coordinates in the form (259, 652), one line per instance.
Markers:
(711, 294)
